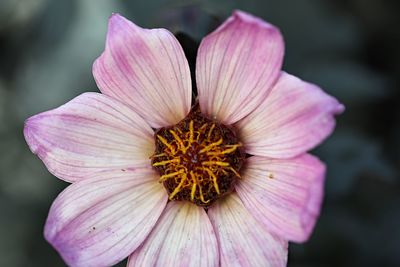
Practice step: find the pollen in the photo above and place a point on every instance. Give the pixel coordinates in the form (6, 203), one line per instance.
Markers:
(199, 159)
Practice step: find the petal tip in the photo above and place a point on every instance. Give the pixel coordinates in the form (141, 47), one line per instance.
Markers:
(49, 232)
(243, 42)
(294, 218)
(116, 23)
(340, 108)
(27, 131)
(115, 18)
(51, 235)
(312, 208)
(239, 16)
(30, 127)
(132, 61)
(114, 14)
(249, 18)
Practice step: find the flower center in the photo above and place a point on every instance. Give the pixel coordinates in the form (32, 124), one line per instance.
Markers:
(198, 159)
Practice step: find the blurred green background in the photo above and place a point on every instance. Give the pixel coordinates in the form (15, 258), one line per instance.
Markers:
(350, 48)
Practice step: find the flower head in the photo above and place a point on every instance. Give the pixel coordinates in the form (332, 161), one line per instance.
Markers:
(221, 180)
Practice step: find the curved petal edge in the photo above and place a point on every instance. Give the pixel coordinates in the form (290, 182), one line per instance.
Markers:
(295, 117)
(147, 69)
(101, 220)
(183, 237)
(243, 242)
(284, 195)
(237, 65)
(89, 134)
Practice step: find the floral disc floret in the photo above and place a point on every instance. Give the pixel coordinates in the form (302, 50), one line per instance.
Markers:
(198, 159)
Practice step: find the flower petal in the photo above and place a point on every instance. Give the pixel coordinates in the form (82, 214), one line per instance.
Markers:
(285, 195)
(236, 66)
(146, 69)
(91, 133)
(183, 236)
(294, 118)
(243, 242)
(101, 220)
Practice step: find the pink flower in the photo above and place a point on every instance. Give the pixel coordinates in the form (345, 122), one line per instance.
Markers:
(227, 184)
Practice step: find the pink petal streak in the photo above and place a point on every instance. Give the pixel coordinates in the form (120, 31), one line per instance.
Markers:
(294, 118)
(146, 69)
(99, 221)
(237, 65)
(285, 195)
(89, 134)
(243, 242)
(183, 237)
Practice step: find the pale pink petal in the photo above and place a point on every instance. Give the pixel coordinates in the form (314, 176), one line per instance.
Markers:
(146, 69)
(237, 65)
(99, 221)
(243, 242)
(294, 118)
(183, 237)
(285, 195)
(91, 133)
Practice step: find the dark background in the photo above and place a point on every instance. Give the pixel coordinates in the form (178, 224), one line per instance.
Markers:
(349, 48)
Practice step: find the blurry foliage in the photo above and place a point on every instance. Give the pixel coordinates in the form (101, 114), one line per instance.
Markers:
(350, 48)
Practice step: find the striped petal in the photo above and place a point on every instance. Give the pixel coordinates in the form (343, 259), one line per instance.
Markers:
(183, 237)
(243, 242)
(89, 134)
(294, 118)
(99, 221)
(285, 195)
(146, 69)
(236, 67)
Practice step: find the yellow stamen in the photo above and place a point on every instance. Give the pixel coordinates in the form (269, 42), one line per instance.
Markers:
(198, 159)
(226, 151)
(179, 140)
(165, 162)
(178, 188)
(169, 175)
(193, 192)
(210, 131)
(230, 150)
(210, 146)
(203, 127)
(235, 172)
(158, 155)
(191, 130)
(165, 142)
(214, 179)
(202, 197)
(179, 130)
(219, 163)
